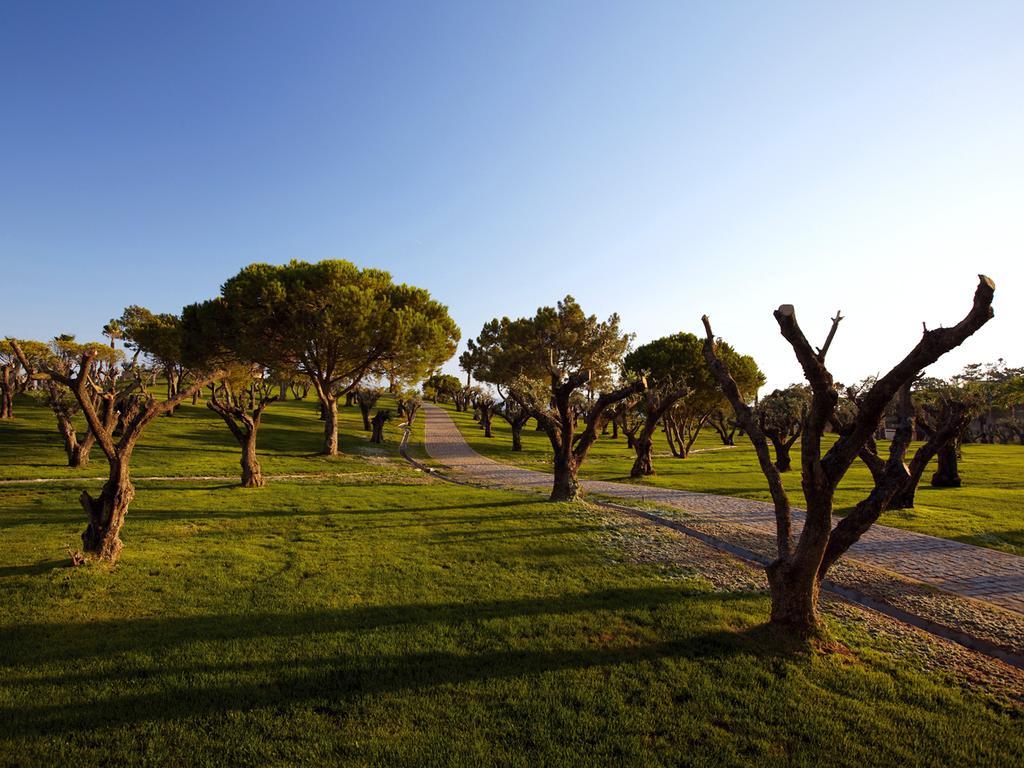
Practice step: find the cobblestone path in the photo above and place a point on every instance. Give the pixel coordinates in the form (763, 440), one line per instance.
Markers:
(984, 574)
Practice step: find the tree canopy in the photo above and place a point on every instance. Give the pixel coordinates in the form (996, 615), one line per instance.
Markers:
(336, 324)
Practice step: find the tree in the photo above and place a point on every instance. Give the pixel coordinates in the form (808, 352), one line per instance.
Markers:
(378, 421)
(795, 575)
(724, 425)
(113, 331)
(240, 399)
(337, 324)
(485, 405)
(441, 387)
(516, 416)
(366, 398)
(680, 387)
(158, 336)
(106, 513)
(781, 415)
(9, 366)
(542, 363)
(409, 404)
(64, 354)
(215, 335)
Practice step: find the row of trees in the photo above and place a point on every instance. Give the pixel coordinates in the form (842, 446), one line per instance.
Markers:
(330, 323)
(337, 326)
(574, 374)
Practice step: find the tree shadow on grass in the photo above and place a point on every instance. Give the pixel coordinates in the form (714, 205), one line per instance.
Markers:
(108, 652)
(34, 569)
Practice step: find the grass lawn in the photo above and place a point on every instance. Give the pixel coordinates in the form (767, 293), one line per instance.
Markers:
(383, 618)
(988, 510)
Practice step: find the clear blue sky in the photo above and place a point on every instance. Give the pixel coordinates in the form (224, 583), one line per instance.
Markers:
(661, 160)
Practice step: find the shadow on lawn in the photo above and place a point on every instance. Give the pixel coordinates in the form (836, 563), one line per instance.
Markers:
(91, 653)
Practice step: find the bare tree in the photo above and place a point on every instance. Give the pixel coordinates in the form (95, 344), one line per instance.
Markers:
(795, 575)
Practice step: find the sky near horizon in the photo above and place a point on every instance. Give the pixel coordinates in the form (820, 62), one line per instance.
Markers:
(659, 160)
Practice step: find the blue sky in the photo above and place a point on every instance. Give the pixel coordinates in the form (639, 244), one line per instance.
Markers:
(660, 160)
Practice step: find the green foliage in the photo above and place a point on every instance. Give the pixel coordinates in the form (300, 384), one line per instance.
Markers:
(562, 339)
(159, 336)
(442, 386)
(783, 410)
(338, 323)
(678, 361)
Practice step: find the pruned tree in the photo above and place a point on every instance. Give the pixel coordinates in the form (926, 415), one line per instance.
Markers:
(724, 425)
(64, 354)
(543, 363)
(485, 406)
(240, 401)
(10, 381)
(781, 415)
(107, 512)
(517, 416)
(681, 392)
(463, 398)
(377, 423)
(337, 324)
(795, 575)
(366, 398)
(215, 334)
(409, 404)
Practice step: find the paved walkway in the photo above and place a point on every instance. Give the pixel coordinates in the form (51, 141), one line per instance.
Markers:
(985, 574)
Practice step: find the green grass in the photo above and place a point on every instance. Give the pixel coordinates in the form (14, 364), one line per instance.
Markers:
(987, 511)
(381, 618)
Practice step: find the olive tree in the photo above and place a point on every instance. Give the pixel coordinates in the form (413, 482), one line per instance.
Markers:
(543, 362)
(678, 376)
(119, 402)
(781, 414)
(215, 335)
(794, 577)
(64, 354)
(337, 324)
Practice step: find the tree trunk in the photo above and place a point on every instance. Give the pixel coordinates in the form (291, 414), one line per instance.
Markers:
(783, 462)
(364, 409)
(517, 437)
(6, 392)
(106, 513)
(330, 411)
(377, 435)
(794, 593)
(643, 465)
(566, 486)
(947, 474)
(252, 473)
(77, 453)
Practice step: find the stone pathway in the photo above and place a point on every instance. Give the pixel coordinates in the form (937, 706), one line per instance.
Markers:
(963, 569)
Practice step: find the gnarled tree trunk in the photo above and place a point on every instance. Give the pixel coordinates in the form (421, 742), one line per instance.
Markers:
(643, 465)
(947, 474)
(252, 473)
(107, 512)
(566, 486)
